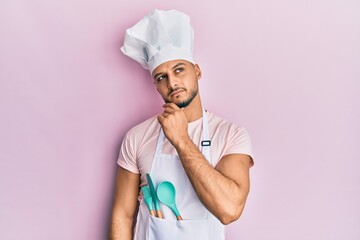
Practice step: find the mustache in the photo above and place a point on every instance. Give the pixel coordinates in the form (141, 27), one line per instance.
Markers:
(176, 89)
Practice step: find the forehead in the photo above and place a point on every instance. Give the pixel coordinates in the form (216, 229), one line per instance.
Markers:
(170, 65)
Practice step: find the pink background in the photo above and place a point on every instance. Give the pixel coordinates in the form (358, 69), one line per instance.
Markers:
(288, 71)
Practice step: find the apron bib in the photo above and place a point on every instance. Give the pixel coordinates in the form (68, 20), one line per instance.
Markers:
(198, 222)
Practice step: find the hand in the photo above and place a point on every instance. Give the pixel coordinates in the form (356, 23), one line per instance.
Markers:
(174, 123)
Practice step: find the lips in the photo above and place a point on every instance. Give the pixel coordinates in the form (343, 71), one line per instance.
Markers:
(176, 92)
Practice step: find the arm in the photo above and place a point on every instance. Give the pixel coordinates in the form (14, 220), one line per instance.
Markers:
(223, 190)
(124, 206)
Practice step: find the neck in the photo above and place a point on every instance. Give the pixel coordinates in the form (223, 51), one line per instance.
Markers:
(194, 110)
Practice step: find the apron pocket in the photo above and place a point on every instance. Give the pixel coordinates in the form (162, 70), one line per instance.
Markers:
(167, 229)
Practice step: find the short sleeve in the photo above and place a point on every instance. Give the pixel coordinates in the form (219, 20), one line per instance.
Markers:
(240, 143)
(127, 156)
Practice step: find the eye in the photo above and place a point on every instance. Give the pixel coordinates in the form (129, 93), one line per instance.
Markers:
(177, 70)
(161, 78)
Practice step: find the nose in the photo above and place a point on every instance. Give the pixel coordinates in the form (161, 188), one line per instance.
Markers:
(172, 82)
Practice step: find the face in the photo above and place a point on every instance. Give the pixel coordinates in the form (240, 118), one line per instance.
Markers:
(177, 81)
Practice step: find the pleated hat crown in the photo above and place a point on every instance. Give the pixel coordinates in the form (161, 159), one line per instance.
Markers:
(159, 37)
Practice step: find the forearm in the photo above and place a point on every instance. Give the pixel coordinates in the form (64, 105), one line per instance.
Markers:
(120, 228)
(124, 206)
(222, 196)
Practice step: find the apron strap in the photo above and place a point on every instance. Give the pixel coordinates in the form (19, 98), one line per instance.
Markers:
(160, 143)
(206, 142)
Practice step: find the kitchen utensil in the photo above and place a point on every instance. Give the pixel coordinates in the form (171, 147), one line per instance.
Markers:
(148, 199)
(154, 196)
(166, 194)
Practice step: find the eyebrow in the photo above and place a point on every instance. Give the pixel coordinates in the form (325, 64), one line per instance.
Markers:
(175, 66)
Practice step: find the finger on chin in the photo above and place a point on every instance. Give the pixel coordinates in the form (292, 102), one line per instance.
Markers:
(169, 110)
(171, 105)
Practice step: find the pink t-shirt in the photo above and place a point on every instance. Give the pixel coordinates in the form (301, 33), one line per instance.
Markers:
(138, 147)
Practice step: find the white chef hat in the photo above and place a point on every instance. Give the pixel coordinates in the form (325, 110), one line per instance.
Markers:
(159, 37)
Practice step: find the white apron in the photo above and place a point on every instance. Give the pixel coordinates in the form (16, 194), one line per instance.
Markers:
(198, 222)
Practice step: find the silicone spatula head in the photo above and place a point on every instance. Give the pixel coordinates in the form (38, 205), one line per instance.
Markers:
(166, 194)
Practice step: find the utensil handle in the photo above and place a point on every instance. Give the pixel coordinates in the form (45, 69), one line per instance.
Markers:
(158, 213)
(179, 217)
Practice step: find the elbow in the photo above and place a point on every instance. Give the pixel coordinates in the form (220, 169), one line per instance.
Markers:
(231, 214)
(225, 220)
(233, 208)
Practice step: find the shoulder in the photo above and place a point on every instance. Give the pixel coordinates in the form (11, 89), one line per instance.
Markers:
(228, 137)
(225, 130)
(220, 123)
(144, 128)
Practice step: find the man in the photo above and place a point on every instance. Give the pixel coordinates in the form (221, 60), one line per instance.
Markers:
(205, 157)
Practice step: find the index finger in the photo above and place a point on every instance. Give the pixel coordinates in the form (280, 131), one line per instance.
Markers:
(171, 105)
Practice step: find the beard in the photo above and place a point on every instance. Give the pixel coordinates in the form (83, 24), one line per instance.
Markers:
(186, 102)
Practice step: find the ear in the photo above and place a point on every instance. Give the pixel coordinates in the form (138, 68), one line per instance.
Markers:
(197, 71)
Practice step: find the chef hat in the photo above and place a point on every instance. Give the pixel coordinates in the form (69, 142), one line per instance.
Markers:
(159, 37)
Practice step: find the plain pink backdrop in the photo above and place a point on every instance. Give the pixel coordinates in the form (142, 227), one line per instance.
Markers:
(288, 71)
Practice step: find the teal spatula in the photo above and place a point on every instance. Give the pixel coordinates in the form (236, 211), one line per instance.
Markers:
(166, 194)
(148, 200)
